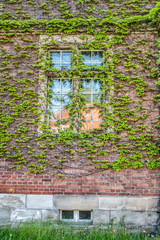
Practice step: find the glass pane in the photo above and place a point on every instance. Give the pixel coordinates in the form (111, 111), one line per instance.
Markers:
(57, 65)
(65, 99)
(65, 66)
(87, 98)
(56, 114)
(96, 124)
(95, 114)
(86, 114)
(56, 85)
(55, 56)
(86, 85)
(66, 56)
(64, 114)
(67, 214)
(86, 125)
(96, 63)
(96, 85)
(84, 215)
(54, 127)
(97, 56)
(96, 98)
(86, 55)
(88, 63)
(56, 99)
(66, 85)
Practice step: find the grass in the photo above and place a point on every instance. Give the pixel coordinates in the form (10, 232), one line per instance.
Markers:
(50, 231)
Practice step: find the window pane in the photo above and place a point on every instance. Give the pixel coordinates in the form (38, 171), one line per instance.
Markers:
(54, 127)
(86, 85)
(56, 114)
(56, 99)
(96, 63)
(65, 66)
(86, 125)
(95, 114)
(96, 124)
(64, 114)
(66, 56)
(57, 65)
(67, 214)
(92, 57)
(65, 99)
(55, 56)
(61, 59)
(84, 215)
(87, 98)
(56, 85)
(86, 114)
(96, 85)
(96, 98)
(86, 55)
(98, 56)
(66, 85)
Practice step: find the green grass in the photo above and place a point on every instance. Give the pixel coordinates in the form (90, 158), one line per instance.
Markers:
(50, 231)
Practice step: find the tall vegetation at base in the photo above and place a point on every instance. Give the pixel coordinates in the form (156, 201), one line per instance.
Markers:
(50, 231)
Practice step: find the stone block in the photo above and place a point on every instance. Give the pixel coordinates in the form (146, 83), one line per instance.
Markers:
(152, 218)
(12, 200)
(50, 214)
(22, 215)
(111, 203)
(130, 217)
(153, 204)
(136, 204)
(73, 202)
(40, 201)
(4, 216)
(100, 217)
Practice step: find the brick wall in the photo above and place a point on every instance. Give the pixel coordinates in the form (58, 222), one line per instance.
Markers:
(141, 182)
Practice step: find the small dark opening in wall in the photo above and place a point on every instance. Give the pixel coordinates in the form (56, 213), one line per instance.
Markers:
(84, 215)
(67, 214)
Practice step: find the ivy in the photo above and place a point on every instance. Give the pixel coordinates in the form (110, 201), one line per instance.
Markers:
(125, 77)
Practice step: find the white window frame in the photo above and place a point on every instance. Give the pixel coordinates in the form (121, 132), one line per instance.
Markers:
(76, 216)
(91, 93)
(64, 42)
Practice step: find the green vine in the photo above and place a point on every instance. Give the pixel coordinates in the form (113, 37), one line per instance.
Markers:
(128, 137)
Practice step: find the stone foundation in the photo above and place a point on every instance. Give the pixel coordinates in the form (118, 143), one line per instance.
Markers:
(137, 211)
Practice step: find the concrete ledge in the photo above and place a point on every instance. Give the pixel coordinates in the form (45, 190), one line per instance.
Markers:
(73, 202)
(136, 204)
(12, 200)
(128, 203)
(111, 203)
(40, 201)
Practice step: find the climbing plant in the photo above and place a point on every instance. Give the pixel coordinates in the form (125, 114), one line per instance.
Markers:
(129, 132)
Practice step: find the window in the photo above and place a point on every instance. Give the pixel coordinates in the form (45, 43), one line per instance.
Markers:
(61, 59)
(75, 215)
(61, 90)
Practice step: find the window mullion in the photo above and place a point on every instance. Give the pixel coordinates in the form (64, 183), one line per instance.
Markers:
(76, 215)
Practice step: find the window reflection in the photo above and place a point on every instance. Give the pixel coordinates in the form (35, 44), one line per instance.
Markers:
(92, 57)
(59, 100)
(61, 60)
(61, 89)
(91, 91)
